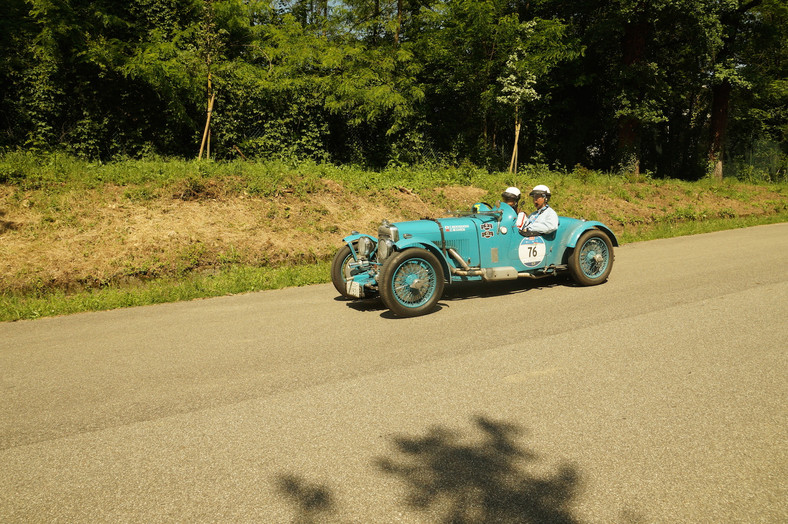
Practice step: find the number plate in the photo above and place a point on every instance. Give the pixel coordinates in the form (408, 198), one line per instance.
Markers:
(532, 251)
(353, 288)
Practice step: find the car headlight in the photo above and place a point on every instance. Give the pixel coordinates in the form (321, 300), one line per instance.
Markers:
(385, 249)
(363, 247)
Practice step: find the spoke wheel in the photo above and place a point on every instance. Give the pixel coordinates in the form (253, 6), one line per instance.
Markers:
(411, 282)
(592, 259)
(341, 271)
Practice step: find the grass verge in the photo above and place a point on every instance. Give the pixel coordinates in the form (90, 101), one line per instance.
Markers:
(230, 281)
(78, 236)
(245, 279)
(680, 229)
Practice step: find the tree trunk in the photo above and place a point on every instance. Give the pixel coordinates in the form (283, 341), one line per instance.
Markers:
(376, 25)
(206, 133)
(721, 93)
(720, 102)
(399, 22)
(633, 53)
(628, 140)
(513, 162)
(325, 19)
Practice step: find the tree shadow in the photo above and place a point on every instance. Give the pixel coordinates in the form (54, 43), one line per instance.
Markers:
(313, 502)
(480, 482)
(457, 480)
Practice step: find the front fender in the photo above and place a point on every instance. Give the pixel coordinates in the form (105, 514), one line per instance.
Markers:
(351, 239)
(402, 245)
(582, 227)
(355, 236)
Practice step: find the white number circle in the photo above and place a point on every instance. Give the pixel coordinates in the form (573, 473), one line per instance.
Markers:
(532, 251)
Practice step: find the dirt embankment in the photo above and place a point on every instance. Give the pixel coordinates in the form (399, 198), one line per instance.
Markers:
(96, 237)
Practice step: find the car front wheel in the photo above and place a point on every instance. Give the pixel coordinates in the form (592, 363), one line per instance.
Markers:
(592, 259)
(411, 282)
(341, 271)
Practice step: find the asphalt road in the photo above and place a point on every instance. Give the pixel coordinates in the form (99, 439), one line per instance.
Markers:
(659, 396)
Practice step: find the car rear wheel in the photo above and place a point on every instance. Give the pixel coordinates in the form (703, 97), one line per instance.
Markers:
(592, 259)
(411, 282)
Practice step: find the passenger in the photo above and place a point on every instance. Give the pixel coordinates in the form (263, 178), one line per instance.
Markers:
(544, 220)
(511, 196)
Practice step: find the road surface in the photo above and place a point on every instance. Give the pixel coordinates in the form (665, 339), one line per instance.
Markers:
(659, 396)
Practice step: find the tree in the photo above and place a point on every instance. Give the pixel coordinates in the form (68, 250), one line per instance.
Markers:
(758, 131)
(209, 50)
(541, 46)
(665, 86)
(517, 90)
(725, 77)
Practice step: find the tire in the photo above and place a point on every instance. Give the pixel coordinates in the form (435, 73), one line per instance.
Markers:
(340, 271)
(411, 282)
(591, 261)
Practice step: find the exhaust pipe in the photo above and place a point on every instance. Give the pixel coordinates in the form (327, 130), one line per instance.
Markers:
(497, 273)
(466, 270)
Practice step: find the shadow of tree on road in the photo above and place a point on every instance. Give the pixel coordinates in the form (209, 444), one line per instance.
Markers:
(455, 480)
(480, 482)
(313, 502)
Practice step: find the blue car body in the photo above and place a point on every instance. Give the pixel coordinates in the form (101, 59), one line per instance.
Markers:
(481, 245)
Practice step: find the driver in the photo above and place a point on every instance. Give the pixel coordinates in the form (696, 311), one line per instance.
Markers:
(544, 220)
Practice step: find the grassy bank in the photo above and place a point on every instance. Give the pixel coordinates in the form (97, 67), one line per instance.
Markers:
(77, 236)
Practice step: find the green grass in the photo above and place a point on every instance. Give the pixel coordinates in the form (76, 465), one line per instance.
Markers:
(678, 229)
(54, 182)
(236, 280)
(230, 281)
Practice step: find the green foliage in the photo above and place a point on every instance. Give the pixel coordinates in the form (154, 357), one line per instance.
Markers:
(397, 82)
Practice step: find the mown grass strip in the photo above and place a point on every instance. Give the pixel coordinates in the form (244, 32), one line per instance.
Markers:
(696, 227)
(230, 281)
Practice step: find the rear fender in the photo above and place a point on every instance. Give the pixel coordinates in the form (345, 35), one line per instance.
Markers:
(588, 225)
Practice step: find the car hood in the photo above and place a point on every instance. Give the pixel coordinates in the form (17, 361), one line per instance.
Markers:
(432, 228)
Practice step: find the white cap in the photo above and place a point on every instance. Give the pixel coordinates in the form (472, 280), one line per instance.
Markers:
(513, 190)
(541, 188)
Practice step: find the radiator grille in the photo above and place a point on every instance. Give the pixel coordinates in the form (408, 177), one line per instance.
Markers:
(461, 246)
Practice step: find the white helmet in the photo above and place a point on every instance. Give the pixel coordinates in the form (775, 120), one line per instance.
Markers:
(541, 189)
(511, 193)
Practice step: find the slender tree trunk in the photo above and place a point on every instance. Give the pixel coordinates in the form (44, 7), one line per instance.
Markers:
(517, 125)
(209, 47)
(720, 102)
(206, 132)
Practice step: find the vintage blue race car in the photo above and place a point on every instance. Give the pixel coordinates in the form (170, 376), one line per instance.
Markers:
(409, 263)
